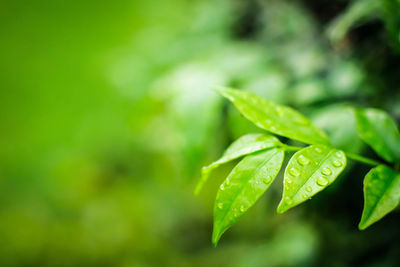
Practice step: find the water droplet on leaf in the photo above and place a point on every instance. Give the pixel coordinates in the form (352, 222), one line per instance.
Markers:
(337, 163)
(326, 171)
(267, 180)
(294, 172)
(318, 150)
(302, 160)
(220, 205)
(242, 208)
(222, 187)
(322, 181)
(308, 188)
(339, 154)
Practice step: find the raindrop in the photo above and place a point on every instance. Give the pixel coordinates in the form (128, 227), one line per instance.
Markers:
(294, 172)
(337, 163)
(302, 160)
(242, 208)
(305, 195)
(267, 180)
(326, 171)
(339, 154)
(318, 150)
(308, 188)
(227, 182)
(288, 201)
(222, 187)
(322, 181)
(289, 181)
(220, 205)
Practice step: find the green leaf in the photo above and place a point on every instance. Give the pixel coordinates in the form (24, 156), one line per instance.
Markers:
(308, 172)
(358, 12)
(243, 187)
(379, 131)
(246, 144)
(381, 194)
(275, 118)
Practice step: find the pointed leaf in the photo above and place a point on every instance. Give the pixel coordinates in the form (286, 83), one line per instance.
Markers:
(246, 144)
(379, 131)
(243, 187)
(381, 194)
(308, 172)
(275, 118)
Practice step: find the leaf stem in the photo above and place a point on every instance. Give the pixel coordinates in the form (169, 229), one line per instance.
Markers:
(362, 159)
(291, 148)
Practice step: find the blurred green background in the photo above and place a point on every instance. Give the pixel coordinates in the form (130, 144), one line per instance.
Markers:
(107, 115)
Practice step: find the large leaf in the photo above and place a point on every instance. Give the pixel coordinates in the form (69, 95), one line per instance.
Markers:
(308, 172)
(379, 131)
(275, 118)
(245, 145)
(381, 194)
(243, 187)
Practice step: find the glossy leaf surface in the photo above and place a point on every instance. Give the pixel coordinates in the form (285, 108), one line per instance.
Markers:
(308, 172)
(381, 194)
(245, 145)
(379, 131)
(275, 118)
(243, 187)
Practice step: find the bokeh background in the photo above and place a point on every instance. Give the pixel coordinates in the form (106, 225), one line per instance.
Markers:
(107, 115)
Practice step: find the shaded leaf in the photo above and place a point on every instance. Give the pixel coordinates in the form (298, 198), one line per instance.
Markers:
(379, 131)
(308, 172)
(275, 118)
(244, 145)
(381, 194)
(243, 187)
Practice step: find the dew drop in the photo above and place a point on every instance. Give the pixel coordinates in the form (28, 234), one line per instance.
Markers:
(222, 187)
(289, 181)
(309, 189)
(339, 154)
(220, 205)
(294, 172)
(337, 163)
(242, 208)
(288, 201)
(322, 181)
(227, 182)
(305, 195)
(318, 150)
(267, 180)
(302, 160)
(326, 171)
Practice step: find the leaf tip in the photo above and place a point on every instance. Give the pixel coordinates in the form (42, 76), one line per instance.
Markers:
(281, 208)
(215, 238)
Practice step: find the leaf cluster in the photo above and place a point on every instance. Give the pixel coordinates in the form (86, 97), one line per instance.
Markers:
(311, 169)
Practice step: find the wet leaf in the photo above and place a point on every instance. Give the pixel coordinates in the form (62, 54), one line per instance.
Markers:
(245, 145)
(243, 187)
(379, 131)
(308, 172)
(275, 118)
(381, 194)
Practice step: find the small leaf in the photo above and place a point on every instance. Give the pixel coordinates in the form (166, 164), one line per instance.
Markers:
(243, 187)
(379, 131)
(381, 194)
(308, 172)
(246, 144)
(275, 118)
